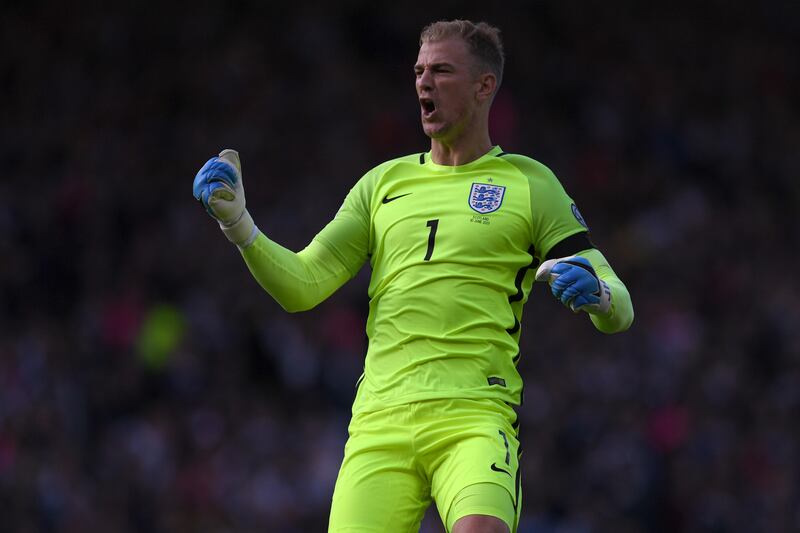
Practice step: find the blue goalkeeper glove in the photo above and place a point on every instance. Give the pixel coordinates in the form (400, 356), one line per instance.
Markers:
(574, 281)
(218, 185)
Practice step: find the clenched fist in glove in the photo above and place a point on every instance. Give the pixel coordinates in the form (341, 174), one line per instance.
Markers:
(218, 185)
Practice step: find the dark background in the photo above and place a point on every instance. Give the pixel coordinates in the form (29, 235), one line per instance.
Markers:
(148, 384)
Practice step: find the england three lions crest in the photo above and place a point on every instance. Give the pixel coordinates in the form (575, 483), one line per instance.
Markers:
(485, 198)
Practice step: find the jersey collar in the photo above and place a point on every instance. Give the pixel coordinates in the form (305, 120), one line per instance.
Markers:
(493, 152)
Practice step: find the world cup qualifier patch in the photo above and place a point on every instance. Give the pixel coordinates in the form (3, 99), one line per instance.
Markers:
(485, 198)
(579, 217)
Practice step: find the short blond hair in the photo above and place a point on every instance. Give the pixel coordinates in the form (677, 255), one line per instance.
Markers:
(482, 39)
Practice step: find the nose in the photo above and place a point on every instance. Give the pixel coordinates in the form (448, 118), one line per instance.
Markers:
(425, 81)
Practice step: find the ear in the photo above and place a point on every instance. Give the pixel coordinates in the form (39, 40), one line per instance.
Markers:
(487, 83)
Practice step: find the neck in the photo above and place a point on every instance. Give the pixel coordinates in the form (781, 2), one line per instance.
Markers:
(471, 144)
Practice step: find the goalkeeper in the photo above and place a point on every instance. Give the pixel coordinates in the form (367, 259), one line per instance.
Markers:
(456, 237)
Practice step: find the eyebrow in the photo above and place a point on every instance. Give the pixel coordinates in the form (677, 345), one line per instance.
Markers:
(434, 66)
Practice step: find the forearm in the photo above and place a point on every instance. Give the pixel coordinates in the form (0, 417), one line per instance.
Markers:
(297, 281)
(620, 316)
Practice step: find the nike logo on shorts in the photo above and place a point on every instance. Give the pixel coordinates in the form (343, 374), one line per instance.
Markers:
(386, 199)
(498, 469)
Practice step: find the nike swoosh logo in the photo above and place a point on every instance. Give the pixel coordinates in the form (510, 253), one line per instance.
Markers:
(386, 199)
(497, 469)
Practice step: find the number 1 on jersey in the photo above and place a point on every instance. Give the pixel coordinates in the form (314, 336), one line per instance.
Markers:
(434, 225)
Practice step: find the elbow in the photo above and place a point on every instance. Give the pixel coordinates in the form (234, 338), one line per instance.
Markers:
(291, 308)
(291, 299)
(298, 309)
(297, 306)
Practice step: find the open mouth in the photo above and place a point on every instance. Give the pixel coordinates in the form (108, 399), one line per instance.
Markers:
(428, 107)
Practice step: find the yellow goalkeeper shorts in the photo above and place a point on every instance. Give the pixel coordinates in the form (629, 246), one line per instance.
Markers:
(462, 454)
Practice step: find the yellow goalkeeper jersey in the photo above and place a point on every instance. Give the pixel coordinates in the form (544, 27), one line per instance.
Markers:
(453, 251)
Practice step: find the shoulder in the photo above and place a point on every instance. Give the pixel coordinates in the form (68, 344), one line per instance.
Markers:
(406, 162)
(529, 167)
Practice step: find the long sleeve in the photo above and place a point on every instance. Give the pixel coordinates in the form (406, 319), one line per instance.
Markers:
(300, 281)
(297, 281)
(620, 317)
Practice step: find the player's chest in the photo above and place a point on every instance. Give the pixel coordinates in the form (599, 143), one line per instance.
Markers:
(441, 216)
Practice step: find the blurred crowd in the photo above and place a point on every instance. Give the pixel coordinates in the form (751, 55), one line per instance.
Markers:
(148, 384)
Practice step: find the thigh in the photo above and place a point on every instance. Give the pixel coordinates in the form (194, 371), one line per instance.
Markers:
(473, 456)
(473, 505)
(379, 488)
